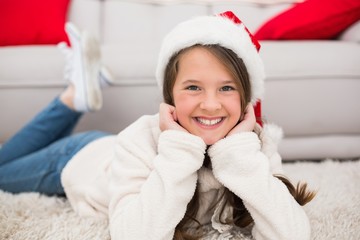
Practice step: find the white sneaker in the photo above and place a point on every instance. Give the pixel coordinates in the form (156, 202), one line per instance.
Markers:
(105, 76)
(85, 68)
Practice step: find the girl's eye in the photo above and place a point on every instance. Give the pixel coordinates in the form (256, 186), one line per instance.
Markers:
(193, 88)
(227, 88)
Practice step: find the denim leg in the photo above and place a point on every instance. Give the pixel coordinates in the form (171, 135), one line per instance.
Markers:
(51, 124)
(40, 171)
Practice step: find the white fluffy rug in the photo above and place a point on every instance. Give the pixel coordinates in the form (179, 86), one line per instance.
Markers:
(334, 213)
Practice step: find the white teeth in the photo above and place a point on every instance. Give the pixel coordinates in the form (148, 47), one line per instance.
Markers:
(208, 122)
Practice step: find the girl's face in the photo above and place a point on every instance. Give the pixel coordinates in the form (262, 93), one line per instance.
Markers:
(205, 95)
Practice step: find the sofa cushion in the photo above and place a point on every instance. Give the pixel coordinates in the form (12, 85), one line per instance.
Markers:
(304, 59)
(148, 26)
(87, 15)
(31, 66)
(32, 22)
(311, 85)
(312, 19)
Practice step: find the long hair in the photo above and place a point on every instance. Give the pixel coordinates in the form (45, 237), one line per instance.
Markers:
(237, 68)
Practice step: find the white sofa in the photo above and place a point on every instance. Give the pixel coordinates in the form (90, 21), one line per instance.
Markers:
(312, 87)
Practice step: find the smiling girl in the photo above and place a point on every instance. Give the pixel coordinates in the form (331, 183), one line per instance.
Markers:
(202, 162)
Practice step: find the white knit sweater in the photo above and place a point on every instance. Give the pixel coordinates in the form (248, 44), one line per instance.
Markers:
(144, 179)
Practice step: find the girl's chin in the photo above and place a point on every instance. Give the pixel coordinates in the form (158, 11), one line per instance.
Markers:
(211, 141)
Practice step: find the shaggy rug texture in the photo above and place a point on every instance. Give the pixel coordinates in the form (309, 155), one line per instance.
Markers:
(334, 213)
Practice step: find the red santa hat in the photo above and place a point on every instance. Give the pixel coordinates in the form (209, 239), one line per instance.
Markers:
(225, 30)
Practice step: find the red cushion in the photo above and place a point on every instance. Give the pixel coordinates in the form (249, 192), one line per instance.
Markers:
(32, 21)
(312, 19)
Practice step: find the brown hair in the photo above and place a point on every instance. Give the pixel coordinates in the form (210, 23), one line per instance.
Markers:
(237, 68)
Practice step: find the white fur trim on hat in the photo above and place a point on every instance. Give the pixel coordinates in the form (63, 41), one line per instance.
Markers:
(219, 30)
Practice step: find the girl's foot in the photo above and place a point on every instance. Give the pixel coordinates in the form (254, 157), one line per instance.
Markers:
(106, 78)
(83, 70)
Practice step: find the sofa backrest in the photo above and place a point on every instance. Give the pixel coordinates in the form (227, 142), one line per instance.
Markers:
(128, 21)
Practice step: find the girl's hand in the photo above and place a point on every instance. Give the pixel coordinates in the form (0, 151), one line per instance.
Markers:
(168, 118)
(248, 123)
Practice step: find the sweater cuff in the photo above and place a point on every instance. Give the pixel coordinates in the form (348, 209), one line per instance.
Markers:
(181, 147)
(236, 152)
(181, 139)
(245, 142)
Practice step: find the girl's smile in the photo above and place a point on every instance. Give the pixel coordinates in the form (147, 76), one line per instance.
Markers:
(206, 122)
(205, 95)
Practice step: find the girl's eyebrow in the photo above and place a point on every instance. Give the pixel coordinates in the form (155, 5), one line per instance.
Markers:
(190, 81)
(193, 81)
(228, 81)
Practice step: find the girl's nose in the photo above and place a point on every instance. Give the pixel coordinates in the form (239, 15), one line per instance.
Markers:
(210, 103)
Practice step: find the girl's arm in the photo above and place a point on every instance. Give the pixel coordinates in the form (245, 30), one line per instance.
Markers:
(152, 185)
(239, 164)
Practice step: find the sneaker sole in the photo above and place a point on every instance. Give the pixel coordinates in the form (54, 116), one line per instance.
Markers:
(91, 59)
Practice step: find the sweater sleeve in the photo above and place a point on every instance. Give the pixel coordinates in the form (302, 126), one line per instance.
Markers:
(151, 186)
(239, 164)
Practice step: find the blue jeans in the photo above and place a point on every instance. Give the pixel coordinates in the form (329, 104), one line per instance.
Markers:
(33, 159)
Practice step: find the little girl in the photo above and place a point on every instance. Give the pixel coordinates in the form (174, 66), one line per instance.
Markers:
(202, 160)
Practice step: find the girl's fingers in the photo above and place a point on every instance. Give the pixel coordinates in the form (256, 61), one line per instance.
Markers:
(168, 118)
(248, 123)
(174, 115)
